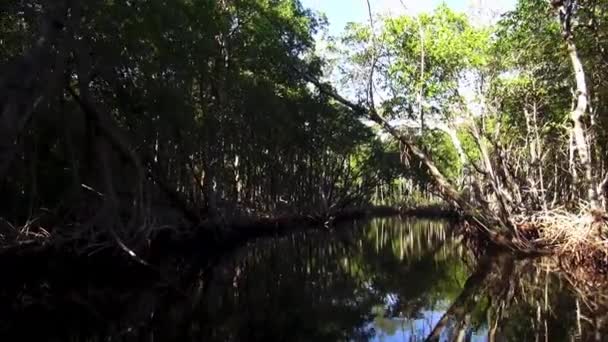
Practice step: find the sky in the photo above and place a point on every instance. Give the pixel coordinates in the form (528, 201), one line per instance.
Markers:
(340, 12)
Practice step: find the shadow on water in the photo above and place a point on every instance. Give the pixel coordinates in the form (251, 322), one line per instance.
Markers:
(384, 280)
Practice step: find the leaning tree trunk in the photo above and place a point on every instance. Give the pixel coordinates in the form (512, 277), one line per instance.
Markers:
(498, 229)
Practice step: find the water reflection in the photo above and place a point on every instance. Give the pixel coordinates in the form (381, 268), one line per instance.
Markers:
(384, 280)
(317, 286)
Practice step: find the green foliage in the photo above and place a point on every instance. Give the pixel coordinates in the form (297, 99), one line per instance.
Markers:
(207, 94)
(506, 90)
(430, 53)
(211, 96)
(445, 155)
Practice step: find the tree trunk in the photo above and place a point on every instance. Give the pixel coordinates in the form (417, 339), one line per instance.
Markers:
(577, 115)
(30, 80)
(578, 129)
(422, 66)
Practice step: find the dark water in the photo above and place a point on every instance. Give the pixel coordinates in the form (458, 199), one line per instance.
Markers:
(384, 280)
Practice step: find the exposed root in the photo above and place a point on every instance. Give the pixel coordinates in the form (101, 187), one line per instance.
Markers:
(14, 234)
(578, 238)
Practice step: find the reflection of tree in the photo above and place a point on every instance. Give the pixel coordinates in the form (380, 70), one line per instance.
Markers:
(527, 300)
(458, 314)
(386, 278)
(427, 255)
(343, 282)
(307, 286)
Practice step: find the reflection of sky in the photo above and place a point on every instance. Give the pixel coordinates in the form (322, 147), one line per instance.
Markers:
(419, 329)
(407, 329)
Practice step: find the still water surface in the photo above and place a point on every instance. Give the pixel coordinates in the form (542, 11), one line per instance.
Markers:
(380, 280)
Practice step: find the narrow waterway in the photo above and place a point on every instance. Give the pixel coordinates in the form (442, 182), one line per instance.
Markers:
(382, 280)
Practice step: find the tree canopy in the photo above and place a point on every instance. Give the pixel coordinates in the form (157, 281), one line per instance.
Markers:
(122, 115)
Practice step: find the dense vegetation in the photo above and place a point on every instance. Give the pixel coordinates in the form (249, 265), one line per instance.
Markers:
(119, 119)
(175, 132)
(115, 112)
(507, 120)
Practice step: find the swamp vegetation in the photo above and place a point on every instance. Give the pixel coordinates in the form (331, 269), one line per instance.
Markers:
(173, 136)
